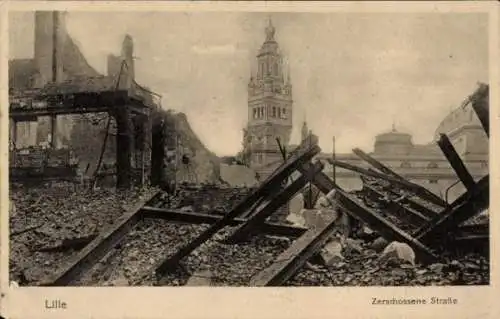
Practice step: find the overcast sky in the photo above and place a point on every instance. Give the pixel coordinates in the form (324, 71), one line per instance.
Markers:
(353, 75)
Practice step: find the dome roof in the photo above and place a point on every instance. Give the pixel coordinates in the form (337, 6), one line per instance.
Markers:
(393, 142)
(394, 137)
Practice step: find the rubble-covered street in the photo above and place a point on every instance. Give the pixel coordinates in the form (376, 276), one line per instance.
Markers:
(44, 219)
(167, 179)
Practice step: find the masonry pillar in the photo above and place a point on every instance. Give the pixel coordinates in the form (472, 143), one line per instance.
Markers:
(123, 147)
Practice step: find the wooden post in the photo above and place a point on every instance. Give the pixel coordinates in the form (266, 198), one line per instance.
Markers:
(123, 147)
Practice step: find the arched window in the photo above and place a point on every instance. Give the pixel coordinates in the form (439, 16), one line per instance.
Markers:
(255, 113)
(284, 113)
(274, 111)
(432, 165)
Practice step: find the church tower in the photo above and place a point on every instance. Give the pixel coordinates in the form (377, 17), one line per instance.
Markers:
(269, 108)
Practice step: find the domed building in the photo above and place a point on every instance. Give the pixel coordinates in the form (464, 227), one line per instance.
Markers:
(425, 164)
(393, 142)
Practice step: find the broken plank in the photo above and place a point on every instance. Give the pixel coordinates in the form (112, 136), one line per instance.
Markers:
(404, 199)
(471, 203)
(373, 220)
(385, 228)
(480, 104)
(417, 189)
(392, 207)
(275, 202)
(302, 154)
(274, 180)
(199, 218)
(373, 162)
(99, 247)
(296, 256)
(456, 162)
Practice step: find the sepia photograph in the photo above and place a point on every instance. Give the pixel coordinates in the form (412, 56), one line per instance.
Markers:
(249, 149)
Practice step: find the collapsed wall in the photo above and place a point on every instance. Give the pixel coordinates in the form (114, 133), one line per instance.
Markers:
(88, 133)
(203, 166)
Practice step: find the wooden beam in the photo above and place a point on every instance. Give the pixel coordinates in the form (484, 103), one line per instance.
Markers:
(99, 247)
(357, 210)
(406, 200)
(480, 104)
(77, 103)
(294, 258)
(392, 207)
(275, 202)
(20, 114)
(200, 218)
(302, 154)
(373, 162)
(456, 162)
(470, 204)
(417, 189)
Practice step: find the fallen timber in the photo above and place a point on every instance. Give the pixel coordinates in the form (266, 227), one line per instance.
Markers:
(456, 162)
(302, 154)
(256, 220)
(348, 204)
(469, 205)
(417, 189)
(294, 258)
(98, 248)
(480, 103)
(373, 162)
(199, 218)
(392, 206)
(403, 197)
(302, 249)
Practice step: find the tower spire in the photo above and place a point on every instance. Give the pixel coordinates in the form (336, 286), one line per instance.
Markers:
(270, 31)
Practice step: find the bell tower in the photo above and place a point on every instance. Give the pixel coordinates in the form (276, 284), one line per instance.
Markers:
(269, 108)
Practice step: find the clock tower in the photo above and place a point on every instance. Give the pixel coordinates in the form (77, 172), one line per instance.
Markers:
(269, 109)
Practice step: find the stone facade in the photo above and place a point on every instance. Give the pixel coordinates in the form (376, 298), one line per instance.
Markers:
(269, 109)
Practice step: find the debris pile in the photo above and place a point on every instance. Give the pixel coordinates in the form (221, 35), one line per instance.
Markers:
(50, 223)
(206, 198)
(45, 217)
(393, 267)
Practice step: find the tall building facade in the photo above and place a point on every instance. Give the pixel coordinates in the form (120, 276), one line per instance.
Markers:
(269, 108)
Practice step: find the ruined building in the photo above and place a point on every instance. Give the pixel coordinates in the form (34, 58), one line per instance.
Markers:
(269, 109)
(56, 59)
(59, 65)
